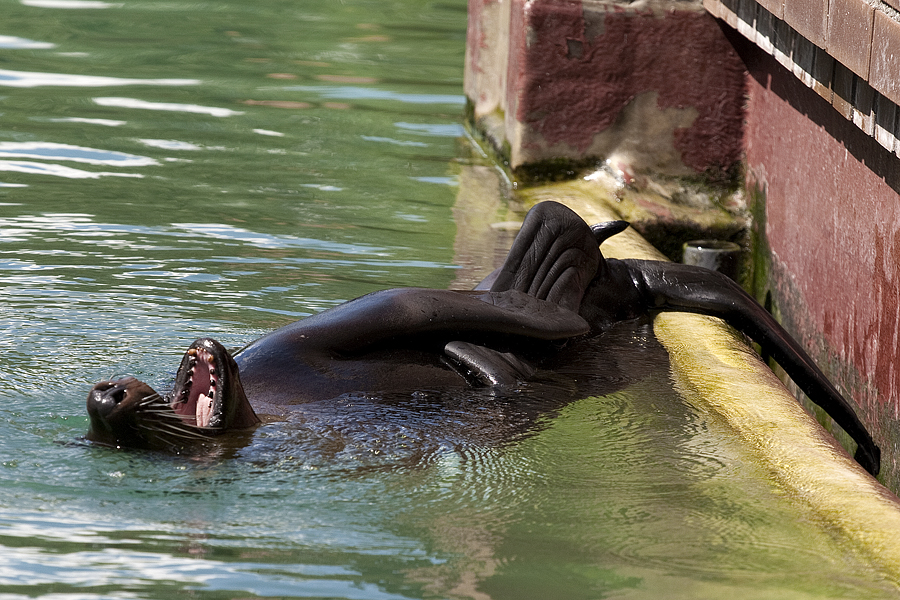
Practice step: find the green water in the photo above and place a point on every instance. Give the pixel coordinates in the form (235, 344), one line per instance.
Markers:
(174, 170)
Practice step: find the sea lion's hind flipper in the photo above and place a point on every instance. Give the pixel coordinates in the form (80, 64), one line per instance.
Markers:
(607, 229)
(674, 287)
(554, 257)
(482, 365)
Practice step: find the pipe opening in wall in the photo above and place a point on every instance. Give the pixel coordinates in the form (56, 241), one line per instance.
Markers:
(717, 255)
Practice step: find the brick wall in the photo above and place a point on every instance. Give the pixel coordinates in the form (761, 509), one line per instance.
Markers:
(822, 159)
(848, 51)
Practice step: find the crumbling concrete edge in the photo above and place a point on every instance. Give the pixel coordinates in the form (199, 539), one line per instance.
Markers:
(721, 376)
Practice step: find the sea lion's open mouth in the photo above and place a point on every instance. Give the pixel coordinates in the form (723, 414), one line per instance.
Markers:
(197, 399)
(202, 385)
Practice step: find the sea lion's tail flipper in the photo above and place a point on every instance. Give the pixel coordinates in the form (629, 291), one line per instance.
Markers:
(485, 366)
(676, 287)
(553, 258)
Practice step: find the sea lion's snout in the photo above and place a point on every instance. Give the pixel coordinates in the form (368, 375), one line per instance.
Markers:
(106, 395)
(111, 406)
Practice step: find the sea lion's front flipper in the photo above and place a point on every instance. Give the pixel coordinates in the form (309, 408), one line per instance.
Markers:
(554, 257)
(486, 366)
(529, 317)
(685, 288)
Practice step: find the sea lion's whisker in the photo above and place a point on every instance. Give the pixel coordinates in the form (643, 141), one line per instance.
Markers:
(170, 429)
(152, 399)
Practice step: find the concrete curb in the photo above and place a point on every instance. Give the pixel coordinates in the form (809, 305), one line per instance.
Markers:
(719, 375)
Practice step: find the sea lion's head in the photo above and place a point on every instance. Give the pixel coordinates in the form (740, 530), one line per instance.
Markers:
(207, 400)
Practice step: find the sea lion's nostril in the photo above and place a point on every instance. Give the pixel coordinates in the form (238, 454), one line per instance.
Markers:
(117, 395)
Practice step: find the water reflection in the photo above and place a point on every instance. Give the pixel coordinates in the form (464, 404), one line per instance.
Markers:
(26, 79)
(82, 225)
(104, 122)
(75, 574)
(171, 145)
(70, 4)
(372, 138)
(33, 168)
(16, 43)
(262, 240)
(434, 129)
(268, 132)
(54, 151)
(366, 93)
(213, 111)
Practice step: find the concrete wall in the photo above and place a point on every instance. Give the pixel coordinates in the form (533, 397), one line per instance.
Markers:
(653, 85)
(822, 144)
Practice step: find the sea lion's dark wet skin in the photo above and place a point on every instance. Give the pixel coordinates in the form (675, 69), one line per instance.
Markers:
(555, 287)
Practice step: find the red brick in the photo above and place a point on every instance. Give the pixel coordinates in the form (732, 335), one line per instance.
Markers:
(850, 34)
(884, 70)
(809, 18)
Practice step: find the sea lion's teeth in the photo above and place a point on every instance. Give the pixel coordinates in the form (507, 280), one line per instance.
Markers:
(210, 359)
(212, 383)
(192, 351)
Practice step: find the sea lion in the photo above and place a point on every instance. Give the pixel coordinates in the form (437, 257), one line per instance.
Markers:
(554, 288)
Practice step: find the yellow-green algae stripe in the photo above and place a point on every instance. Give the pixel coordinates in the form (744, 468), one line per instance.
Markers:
(718, 374)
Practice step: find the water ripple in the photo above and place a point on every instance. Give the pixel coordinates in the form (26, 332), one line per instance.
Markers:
(451, 130)
(264, 240)
(70, 4)
(33, 168)
(170, 144)
(35, 570)
(54, 151)
(372, 138)
(362, 93)
(214, 111)
(16, 43)
(104, 122)
(28, 79)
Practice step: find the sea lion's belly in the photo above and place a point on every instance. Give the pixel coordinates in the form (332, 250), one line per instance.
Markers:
(273, 377)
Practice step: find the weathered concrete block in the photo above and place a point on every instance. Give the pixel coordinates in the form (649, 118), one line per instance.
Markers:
(658, 88)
